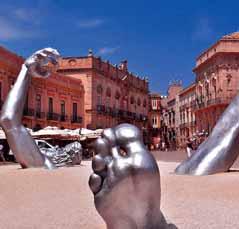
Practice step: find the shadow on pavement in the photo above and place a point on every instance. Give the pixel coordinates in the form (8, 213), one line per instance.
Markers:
(169, 156)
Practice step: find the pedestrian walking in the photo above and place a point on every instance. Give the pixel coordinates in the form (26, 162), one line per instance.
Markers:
(2, 154)
(189, 147)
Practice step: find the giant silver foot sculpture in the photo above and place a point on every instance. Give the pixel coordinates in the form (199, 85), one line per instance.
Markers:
(24, 148)
(126, 181)
(220, 150)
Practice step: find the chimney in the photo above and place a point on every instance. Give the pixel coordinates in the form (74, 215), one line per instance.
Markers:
(90, 52)
(124, 65)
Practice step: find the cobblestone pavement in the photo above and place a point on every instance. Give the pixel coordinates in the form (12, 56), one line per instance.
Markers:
(61, 199)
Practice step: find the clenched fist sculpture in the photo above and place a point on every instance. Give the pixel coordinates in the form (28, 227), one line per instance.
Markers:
(126, 181)
(40, 64)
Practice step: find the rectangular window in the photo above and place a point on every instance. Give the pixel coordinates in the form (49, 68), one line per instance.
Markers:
(38, 106)
(63, 108)
(74, 110)
(1, 102)
(50, 105)
(99, 100)
(1, 91)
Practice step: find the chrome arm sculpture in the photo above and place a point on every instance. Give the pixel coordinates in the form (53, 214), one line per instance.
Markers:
(40, 64)
(220, 150)
(126, 181)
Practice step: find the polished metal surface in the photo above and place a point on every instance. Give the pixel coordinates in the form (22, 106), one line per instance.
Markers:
(220, 150)
(126, 181)
(24, 148)
(71, 154)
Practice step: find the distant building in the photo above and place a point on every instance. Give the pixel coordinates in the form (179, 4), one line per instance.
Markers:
(170, 117)
(56, 101)
(187, 104)
(217, 80)
(84, 92)
(113, 95)
(154, 123)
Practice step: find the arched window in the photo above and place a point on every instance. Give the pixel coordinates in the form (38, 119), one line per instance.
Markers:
(108, 92)
(139, 102)
(99, 89)
(229, 79)
(132, 100)
(117, 95)
(145, 103)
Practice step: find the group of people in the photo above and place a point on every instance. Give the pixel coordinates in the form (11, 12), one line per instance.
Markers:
(193, 143)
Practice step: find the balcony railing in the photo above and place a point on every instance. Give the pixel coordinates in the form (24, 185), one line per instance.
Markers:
(76, 119)
(108, 110)
(28, 112)
(115, 112)
(210, 102)
(100, 109)
(52, 116)
(63, 118)
(120, 113)
(219, 101)
(40, 115)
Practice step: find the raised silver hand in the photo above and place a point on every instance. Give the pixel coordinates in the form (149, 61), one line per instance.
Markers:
(24, 148)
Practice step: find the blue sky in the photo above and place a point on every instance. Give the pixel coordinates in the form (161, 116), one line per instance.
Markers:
(160, 39)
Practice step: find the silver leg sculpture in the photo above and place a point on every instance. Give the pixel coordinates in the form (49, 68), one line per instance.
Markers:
(220, 150)
(126, 181)
(20, 141)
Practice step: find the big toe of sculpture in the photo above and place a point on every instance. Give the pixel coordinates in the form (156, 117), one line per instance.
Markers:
(126, 181)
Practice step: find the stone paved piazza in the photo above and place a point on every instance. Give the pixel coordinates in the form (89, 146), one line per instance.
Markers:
(60, 199)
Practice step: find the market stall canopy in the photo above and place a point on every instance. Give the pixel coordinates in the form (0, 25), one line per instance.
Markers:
(80, 134)
(3, 136)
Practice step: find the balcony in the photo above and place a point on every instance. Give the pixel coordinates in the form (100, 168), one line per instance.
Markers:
(212, 102)
(63, 118)
(100, 109)
(219, 101)
(193, 104)
(40, 115)
(121, 113)
(158, 108)
(52, 116)
(28, 112)
(108, 110)
(115, 112)
(129, 114)
(76, 119)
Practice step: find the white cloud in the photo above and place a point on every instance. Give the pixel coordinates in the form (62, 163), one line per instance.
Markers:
(27, 15)
(9, 31)
(20, 23)
(91, 23)
(107, 50)
(203, 30)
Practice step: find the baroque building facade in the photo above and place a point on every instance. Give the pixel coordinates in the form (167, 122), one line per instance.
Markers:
(187, 104)
(113, 95)
(154, 123)
(84, 92)
(217, 80)
(56, 101)
(170, 118)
